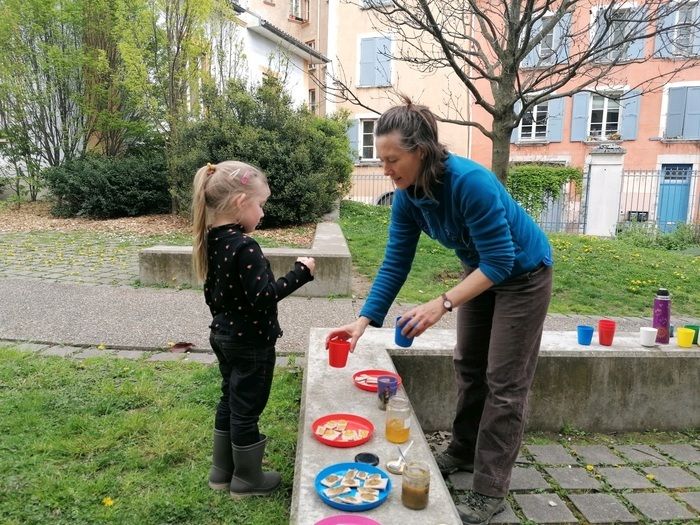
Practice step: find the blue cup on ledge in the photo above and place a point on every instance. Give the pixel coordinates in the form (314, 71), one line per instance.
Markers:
(585, 334)
(399, 338)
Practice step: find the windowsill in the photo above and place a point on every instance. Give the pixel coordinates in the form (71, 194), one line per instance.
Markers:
(368, 163)
(679, 140)
(297, 20)
(532, 142)
(370, 87)
(590, 142)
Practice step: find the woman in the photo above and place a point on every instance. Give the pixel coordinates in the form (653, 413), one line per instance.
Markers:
(502, 300)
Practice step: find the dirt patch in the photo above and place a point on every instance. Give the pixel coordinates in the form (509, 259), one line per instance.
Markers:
(36, 216)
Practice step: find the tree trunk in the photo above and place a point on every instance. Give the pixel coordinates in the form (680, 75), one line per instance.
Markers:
(500, 149)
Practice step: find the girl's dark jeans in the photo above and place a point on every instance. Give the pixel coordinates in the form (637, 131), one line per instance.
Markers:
(246, 380)
(498, 339)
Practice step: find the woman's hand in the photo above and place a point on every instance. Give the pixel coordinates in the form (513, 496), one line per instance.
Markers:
(349, 332)
(419, 319)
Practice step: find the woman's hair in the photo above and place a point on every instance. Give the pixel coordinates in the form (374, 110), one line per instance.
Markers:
(215, 185)
(417, 126)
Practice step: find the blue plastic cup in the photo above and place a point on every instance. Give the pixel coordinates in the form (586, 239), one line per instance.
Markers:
(585, 334)
(399, 338)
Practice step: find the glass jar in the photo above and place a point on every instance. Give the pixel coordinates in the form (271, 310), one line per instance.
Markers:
(415, 485)
(398, 420)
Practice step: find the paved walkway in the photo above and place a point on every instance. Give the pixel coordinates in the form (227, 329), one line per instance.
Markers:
(80, 301)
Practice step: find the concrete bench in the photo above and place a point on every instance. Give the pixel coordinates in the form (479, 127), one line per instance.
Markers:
(626, 387)
(329, 390)
(172, 265)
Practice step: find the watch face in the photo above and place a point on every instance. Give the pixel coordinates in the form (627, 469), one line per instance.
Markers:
(447, 305)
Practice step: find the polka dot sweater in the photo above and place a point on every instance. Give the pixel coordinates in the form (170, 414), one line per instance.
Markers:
(241, 290)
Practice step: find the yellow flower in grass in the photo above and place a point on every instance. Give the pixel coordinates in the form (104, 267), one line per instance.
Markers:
(651, 477)
(101, 346)
(589, 468)
(107, 501)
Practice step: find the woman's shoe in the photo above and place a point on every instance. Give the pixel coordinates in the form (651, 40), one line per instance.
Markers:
(450, 464)
(478, 509)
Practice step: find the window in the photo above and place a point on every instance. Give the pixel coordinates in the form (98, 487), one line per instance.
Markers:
(312, 45)
(375, 62)
(533, 125)
(313, 104)
(678, 34)
(553, 46)
(604, 121)
(367, 139)
(611, 117)
(299, 10)
(542, 122)
(683, 113)
(619, 34)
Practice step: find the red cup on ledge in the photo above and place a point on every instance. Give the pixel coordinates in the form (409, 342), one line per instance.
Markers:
(338, 350)
(606, 332)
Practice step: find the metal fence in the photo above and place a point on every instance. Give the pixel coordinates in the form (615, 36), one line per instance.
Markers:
(373, 188)
(660, 199)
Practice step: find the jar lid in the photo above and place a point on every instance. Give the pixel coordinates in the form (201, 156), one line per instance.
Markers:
(367, 457)
(662, 291)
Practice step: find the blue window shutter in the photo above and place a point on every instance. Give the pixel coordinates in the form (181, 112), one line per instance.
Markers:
(562, 39)
(555, 112)
(533, 57)
(635, 50)
(515, 134)
(691, 124)
(383, 53)
(663, 42)
(630, 115)
(676, 112)
(579, 117)
(367, 61)
(353, 133)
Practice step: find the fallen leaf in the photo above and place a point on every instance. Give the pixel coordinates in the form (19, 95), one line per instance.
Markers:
(181, 347)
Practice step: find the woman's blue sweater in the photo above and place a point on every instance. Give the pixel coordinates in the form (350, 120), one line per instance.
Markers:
(474, 215)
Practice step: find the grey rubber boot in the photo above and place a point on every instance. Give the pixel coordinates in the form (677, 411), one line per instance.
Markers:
(221, 470)
(248, 476)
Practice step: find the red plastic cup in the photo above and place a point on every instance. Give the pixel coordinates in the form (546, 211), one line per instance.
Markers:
(338, 351)
(606, 332)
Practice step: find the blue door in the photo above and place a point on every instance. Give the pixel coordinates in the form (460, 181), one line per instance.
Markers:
(674, 192)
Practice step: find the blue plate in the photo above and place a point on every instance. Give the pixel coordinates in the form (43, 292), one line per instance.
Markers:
(341, 468)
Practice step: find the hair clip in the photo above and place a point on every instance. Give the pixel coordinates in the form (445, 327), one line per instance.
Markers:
(210, 168)
(245, 178)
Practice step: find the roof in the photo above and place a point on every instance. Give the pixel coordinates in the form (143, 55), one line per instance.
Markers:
(277, 34)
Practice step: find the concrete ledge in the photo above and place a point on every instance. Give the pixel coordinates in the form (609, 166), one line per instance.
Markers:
(172, 265)
(329, 390)
(598, 389)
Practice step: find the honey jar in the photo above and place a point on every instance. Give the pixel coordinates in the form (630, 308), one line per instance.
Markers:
(398, 420)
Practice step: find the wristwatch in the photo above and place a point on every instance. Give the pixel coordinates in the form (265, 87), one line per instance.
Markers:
(446, 303)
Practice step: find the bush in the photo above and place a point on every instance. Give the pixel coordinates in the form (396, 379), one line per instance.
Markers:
(647, 235)
(532, 185)
(305, 157)
(108, 187)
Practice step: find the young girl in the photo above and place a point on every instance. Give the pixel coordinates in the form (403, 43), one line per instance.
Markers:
(242, 294)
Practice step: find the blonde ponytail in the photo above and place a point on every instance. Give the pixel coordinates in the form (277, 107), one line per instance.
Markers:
(214, 187)
(199, 223)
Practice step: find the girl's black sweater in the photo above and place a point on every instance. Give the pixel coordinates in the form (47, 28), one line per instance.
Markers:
(240, 289)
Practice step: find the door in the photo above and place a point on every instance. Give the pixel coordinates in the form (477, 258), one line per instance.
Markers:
(674, 192)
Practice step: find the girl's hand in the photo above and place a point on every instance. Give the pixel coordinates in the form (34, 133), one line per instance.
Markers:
(349, 332)
(419, 319)
(309, 262)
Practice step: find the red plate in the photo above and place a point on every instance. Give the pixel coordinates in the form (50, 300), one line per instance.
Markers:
(353, 423)
(373, 373)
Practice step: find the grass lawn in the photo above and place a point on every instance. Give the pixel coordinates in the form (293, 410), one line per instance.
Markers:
(591, 275)
(115, 441)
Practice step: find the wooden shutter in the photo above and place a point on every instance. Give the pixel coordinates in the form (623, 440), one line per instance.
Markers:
(579, 117)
